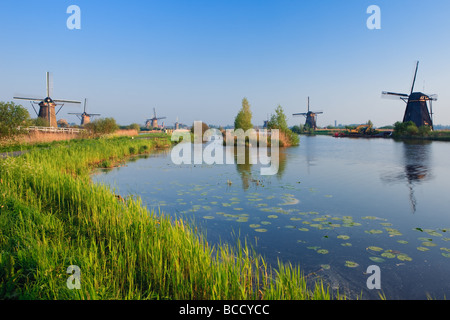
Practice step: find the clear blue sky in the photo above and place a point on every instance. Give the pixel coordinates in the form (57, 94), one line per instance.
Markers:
(196, 60)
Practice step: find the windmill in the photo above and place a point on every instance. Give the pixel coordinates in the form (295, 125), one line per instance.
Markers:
(310, 117)
(85, 117)
(153, 122)
(416, 104)
(48, 105)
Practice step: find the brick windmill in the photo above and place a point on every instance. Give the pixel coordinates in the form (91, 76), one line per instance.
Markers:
(416, 104)
(311, 117)
(47, 106)
(153, 122)
(85, 117)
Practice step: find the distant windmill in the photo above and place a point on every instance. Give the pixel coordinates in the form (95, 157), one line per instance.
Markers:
(47, 105)
(310, 117)
(85, 117)
(416, 104)
(153, 122)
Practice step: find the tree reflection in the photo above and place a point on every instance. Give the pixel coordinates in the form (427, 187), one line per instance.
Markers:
(254, 178)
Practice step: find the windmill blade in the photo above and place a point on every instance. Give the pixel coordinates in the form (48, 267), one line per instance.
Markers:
(432, 97)
(299, 114)
(93, 114)
(77, 114)
(67, 101)
(49, 84)
(37, 100)
(394, 95)
(415, 76)
(162, 118)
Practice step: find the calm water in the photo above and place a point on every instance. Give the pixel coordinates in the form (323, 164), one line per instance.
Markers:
(336, 207)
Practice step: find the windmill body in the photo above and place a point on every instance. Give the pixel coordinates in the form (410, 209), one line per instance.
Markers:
(416, 105)
(47, 106)
(311, 117)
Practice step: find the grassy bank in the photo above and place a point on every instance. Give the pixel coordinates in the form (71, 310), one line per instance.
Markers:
(52, 217)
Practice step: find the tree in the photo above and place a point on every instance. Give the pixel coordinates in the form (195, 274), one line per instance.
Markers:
(278, 121)
(62, 123)
(243, 119)
(135, 126)
(12, 116)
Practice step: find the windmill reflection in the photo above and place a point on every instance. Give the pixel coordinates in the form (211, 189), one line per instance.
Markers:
(416, 159)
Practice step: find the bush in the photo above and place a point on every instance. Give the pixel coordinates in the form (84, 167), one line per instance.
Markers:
(102, 126)
(410, 129)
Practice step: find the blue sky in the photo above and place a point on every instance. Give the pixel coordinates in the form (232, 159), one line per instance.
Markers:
(196, 60)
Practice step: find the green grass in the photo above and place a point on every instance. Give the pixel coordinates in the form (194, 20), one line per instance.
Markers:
(52, 216)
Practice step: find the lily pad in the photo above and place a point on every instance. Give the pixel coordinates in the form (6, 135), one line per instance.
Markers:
(422, 249)
(296, 219)
(303, 229)
(377, 259)
(253, 226)
(373, 248)
(445, 254)
(404, 257)
(322, 251)
(402, 241)
(428, 244)
(389, 255)
(373, 231)
(261, 230)
(325, 266)
(208, 217)
(346, 244)
(343, 237)
(265, 222)
(351, 264)
(272, 216)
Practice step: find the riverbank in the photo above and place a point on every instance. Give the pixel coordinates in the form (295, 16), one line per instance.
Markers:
(53, 217)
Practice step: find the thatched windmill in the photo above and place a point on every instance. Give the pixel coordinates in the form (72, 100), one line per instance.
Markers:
(311, 117)
(85, 117)
(416, 104)
(48, 105)
(153, 122)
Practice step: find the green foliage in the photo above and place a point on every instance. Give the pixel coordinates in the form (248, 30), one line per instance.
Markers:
(296, 129)
(40, 122)
(102, 126)
(243, 119)
(278, 121)
(135, 126)
(11, 117)
(409, 129)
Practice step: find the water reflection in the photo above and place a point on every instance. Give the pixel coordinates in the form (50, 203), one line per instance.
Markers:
(416, 168)
(253, 178)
